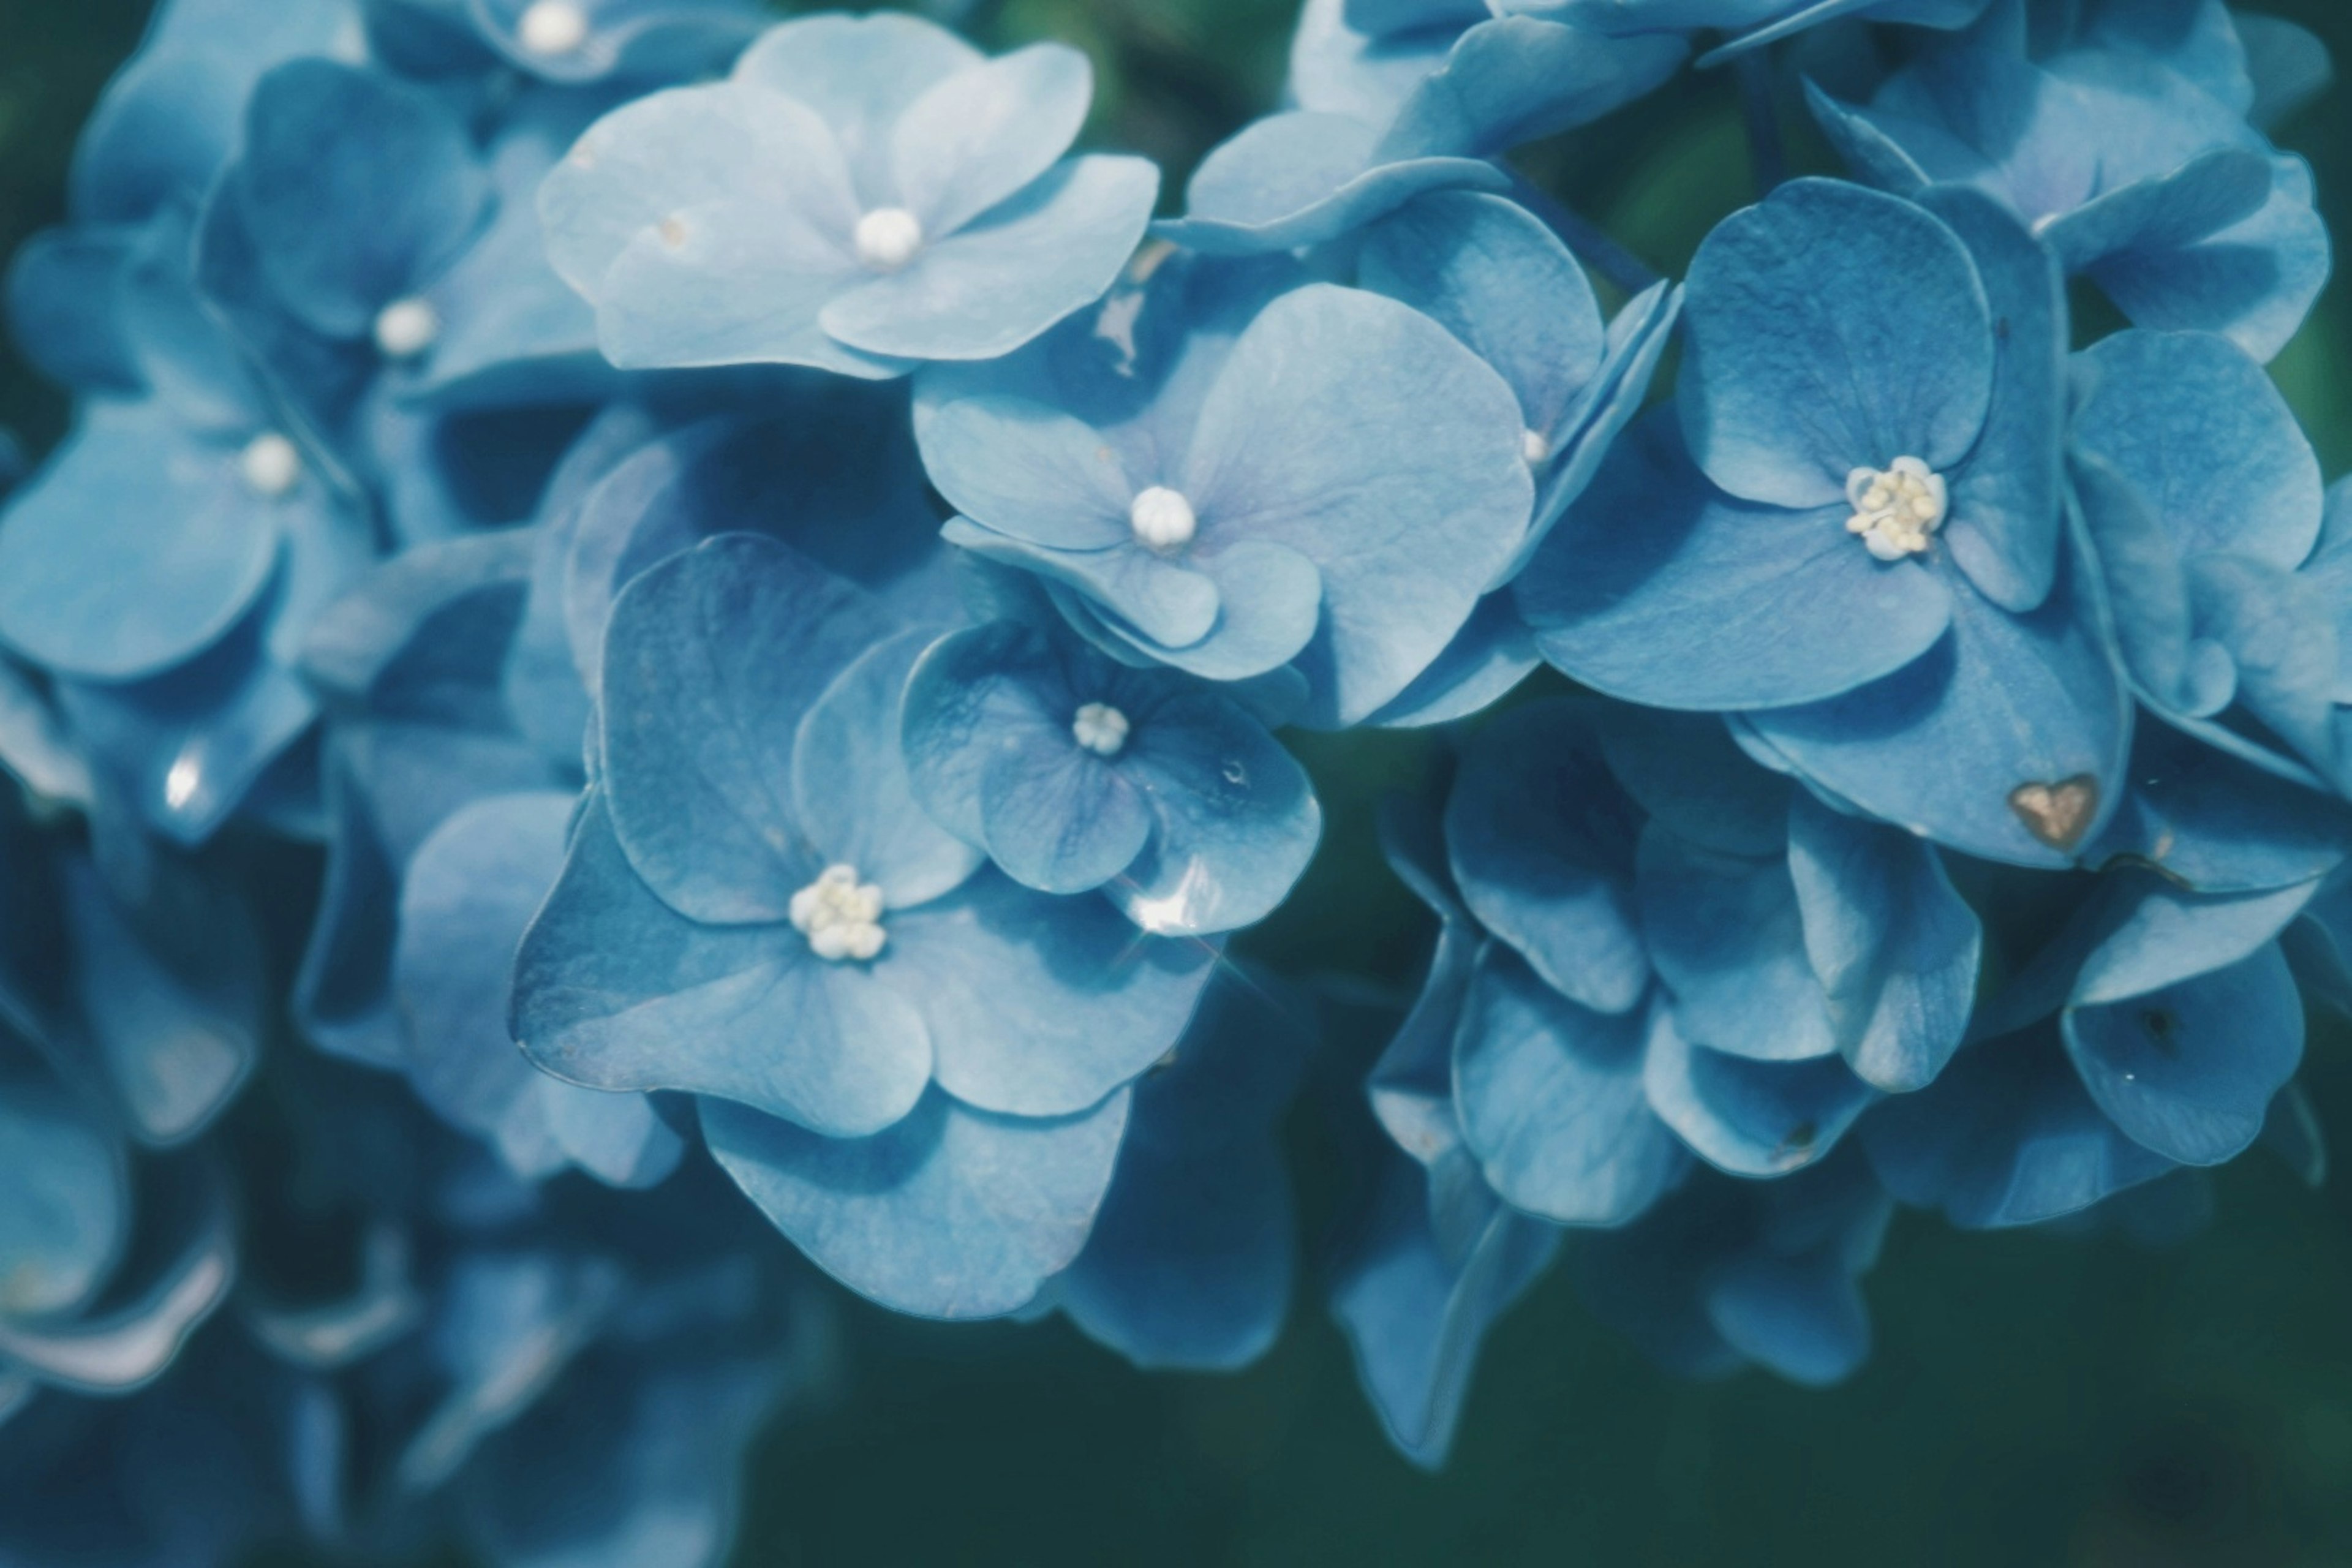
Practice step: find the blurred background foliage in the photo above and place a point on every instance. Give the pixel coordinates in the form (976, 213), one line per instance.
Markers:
(2034, 1398)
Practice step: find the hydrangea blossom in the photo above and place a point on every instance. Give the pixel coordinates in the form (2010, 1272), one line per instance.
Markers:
(925, 210)
(767, 599)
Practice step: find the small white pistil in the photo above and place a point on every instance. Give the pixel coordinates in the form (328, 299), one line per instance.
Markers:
(1162, 519)
(888, 239)
(407, 328)
(1534, 448)
(271, 465)
(841, 916)
(553, 27)
(1896, 509)
(1100, 728)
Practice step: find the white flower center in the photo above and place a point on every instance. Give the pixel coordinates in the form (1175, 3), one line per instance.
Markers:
(551, 27)
(1896, 509)
(888, 239)
(407, 328)
(1100, 728)
(271, 465)
(1162, 519)
(841, 916)
(1534, 448)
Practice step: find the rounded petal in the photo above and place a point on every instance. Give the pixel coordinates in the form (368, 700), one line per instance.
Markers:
(1041, 1005)
(1747, 1117)
(953, 1213)
(470, 893)
(1024, 470)
(712, 660)
(1551, 1101)
(2189, 1072)
(1830, 328)
(138, 546)
(60, 1239)
(1539, 837)
(614, 989)
(1728, 935)
(1659, 588)
(1358, 433)
(978, 136)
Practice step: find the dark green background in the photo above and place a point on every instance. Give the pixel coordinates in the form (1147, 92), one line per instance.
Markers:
(2034, 1399)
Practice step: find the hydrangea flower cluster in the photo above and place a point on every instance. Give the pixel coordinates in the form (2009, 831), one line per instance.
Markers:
(775, 589)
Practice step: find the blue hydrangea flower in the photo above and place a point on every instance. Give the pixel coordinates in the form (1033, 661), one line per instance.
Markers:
(1073, 772)
(162, 566)
(2133, 172)
(1227, 485)
(1313, 174)
(916, 1068)
(887, 196)
(1872, 565)
(1500, 281)
(2204, 500)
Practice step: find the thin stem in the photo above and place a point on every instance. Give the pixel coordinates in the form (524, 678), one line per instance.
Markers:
(1766, 156)
(1619, 266)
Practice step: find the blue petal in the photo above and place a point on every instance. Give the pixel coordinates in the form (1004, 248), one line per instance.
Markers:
(1023, 468)
(1539, 839)
(1747, 1117)
(953, 1213)
(1551, 1101)
(1805, 1322)
(615, 990)
(1685, 771)
(2147, 595)
(1416, 1316)
(471, 892)
(2189, 1072)
(2196, 201)
(1489, 272)
(2253, 282)
(711, 659)
(1515, 80)
(851, 794)
(1358, 433)
(2033, 702)
(358, 190)
(2007, 1136)
(989, 288)
(139, 545)
(1040, 1005)
(1190, 1264)
(1795, 319)
(1659, 588)
(62, 311)
(2217, 824)
(2006, 501)
(860, 74)
(976, 137)
(1302, 178)
(1895, 946)
(176, 1009)
(652, 40)
(1728, 935)
(63, 1235)
(2280, 632)
(2207, 439)
(1488, 658)
(1234, 819)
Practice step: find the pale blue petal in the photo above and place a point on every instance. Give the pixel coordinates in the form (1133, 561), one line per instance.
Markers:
(981, 134)
(615, 990)
(1041, 1005)
(471, 892)
(1359, 433)
(953, 1212)
(712, 660)
(62, 1235)
(1749, 1118)
(1001, 280)
(860, 74)
(1023, 468)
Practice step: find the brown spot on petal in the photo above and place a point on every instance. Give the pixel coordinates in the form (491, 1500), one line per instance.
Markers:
(2057, 813)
